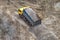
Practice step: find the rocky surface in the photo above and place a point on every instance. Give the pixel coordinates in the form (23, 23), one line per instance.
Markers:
(12, 27)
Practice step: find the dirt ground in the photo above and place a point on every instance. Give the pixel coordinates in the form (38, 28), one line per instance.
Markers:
(12, 27)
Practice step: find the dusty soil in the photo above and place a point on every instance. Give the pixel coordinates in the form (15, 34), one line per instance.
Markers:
(12, 27)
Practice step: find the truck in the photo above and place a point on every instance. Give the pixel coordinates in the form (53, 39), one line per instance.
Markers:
(29, 16)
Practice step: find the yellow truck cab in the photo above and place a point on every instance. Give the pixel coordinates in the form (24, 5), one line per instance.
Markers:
(20, 10)
(29, 16)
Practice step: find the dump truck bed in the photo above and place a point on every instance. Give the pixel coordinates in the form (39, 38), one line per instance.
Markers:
(31, 16)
